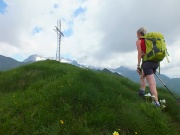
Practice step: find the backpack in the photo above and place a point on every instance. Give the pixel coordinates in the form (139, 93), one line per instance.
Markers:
(156, 49)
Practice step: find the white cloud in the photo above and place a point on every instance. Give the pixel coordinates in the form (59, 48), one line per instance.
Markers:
(103, 34)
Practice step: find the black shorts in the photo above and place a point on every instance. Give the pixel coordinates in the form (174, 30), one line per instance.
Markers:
(149, 67)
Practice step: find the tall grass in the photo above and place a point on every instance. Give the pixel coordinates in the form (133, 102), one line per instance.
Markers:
(51, 98)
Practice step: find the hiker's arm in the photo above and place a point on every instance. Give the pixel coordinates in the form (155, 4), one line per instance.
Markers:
(138, 44)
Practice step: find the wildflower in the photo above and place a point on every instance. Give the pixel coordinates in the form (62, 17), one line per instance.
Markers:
(115, 133)
(163, 101)
(153, 97)
(61, 121)
(163, 106)
(147, 95)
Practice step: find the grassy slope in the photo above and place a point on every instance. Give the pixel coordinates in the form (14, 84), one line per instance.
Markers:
(60, 99)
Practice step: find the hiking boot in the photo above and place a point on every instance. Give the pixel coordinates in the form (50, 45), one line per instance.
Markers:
(141, 92)
(157, 104)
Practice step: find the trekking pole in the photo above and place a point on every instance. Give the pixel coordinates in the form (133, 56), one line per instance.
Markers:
(178, 100)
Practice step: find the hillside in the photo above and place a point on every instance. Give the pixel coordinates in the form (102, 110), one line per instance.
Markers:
(51, 98)
(7, 63)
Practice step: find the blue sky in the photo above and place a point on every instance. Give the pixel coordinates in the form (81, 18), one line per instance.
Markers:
(79, 11)
(36, 30)
(96, 32)
(2, 6)
(68, 32)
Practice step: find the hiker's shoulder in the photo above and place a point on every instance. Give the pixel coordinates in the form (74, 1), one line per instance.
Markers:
(138, 42)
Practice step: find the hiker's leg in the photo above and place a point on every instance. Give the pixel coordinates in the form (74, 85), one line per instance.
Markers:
(152, 85)
(142, 85)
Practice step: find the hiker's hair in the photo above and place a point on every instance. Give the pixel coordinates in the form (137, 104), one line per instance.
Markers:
(142, 31)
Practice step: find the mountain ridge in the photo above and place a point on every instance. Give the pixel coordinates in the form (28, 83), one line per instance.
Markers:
(7, 63)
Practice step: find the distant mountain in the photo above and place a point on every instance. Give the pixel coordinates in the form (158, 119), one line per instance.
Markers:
(34, 57)
(7, 63)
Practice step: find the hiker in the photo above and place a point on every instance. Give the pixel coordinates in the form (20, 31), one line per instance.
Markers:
(148, 68)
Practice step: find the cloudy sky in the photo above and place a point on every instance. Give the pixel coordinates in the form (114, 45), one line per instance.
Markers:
(96, 32)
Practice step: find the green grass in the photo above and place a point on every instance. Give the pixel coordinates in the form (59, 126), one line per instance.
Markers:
(36, 98)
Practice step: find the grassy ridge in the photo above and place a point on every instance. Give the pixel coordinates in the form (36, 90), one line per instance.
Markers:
(51, 98)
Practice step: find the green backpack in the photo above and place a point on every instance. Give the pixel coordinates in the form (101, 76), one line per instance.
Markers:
(156, 49)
